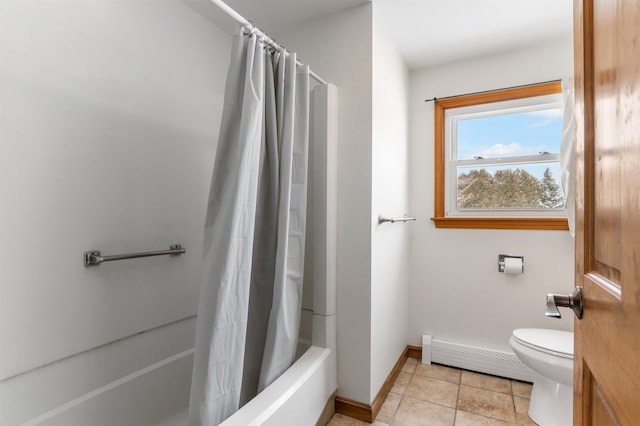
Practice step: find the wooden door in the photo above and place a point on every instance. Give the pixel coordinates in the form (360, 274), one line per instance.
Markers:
(607, 79)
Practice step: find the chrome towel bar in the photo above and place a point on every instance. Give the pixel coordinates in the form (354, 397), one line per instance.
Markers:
(94, 257)
(405, 218)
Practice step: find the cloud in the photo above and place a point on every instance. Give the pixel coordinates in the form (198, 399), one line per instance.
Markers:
(548, 113)
(550, 116)
(540, 124)
(501, 150)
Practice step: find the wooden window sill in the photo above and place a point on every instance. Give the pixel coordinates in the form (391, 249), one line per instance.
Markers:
(555, 224)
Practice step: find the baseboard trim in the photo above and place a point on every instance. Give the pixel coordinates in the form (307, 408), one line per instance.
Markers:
(388, 384)
(366, 412)
(354, 409)
(414, 352)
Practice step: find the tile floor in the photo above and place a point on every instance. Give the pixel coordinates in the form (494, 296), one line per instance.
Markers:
(437, 395)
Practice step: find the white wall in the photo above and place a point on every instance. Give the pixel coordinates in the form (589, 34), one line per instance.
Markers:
(110, 113)
(390, 197)
(109, 120)
(456, 292)
(339, 49)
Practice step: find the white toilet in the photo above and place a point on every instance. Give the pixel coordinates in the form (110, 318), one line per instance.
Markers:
(549, 353)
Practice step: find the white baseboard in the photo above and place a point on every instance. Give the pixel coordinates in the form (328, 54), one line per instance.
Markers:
(474, 358)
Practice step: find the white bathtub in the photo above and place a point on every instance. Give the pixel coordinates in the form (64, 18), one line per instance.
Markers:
(298, 397)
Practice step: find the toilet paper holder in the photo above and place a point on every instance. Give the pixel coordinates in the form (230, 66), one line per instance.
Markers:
(501, 261)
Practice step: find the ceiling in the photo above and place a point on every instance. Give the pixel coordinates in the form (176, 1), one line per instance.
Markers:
(431, 32)
(426, 32)
(271, 15)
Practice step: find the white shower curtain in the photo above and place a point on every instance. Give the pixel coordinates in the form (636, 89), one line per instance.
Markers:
(253, 255)
(567, 154)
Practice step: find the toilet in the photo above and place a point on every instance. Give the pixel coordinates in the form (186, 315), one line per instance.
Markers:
(549, 353)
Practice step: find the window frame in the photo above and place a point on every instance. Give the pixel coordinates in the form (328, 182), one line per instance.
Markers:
(440, 161)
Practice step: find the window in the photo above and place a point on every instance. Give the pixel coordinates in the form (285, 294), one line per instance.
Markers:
(497, 159)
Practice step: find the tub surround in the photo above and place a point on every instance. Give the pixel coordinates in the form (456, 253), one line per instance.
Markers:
(110, 116)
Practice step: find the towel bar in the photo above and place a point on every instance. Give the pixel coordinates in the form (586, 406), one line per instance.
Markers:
(405, 218)
(94, 257)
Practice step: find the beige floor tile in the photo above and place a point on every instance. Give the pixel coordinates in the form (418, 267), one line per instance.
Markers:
(342, 420)
(467, 419)
(522, 407)
(389, 408)
(484, 381)
(486, 403)
(441, 372)
(433, 390)
(521, 389)
(413, 412)
(412, 361)
(400, 385)
(409, 365)
(432, 393)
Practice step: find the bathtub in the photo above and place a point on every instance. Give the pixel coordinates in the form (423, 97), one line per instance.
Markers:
(299, 396)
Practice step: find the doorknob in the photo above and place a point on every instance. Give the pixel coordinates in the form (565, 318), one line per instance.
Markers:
(573, 301)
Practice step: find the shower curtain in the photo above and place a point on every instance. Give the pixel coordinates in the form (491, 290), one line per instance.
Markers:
(567, 155)
(253, 253)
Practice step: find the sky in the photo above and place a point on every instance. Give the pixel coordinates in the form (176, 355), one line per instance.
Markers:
(510, 135)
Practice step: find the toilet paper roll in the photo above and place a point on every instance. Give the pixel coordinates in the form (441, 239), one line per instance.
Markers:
(513, 265)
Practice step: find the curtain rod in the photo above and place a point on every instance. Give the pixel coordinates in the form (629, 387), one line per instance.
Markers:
(434, 99)
(251, 27)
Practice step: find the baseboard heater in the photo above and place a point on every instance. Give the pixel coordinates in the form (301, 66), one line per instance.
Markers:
(474, 358)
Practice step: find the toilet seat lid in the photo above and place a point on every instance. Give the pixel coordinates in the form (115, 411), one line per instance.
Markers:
(557, 341)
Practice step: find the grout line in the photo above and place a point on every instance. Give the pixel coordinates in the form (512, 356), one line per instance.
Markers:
(459, 384)
(492, 419)
(402, 395)
(485, 389)
(513, 401)
(455, 414)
